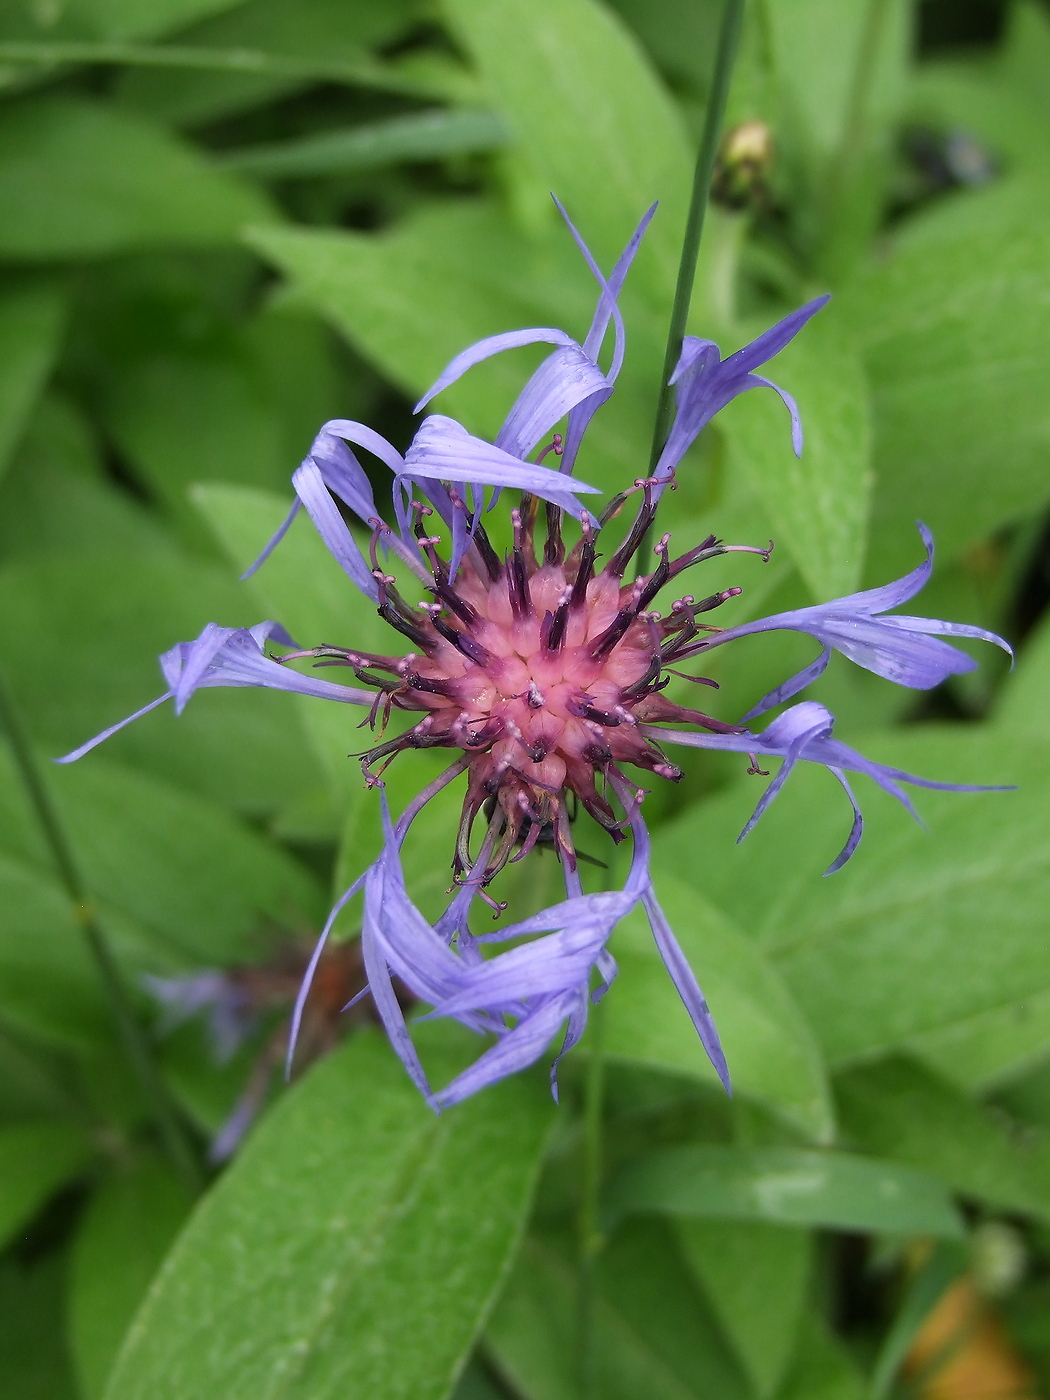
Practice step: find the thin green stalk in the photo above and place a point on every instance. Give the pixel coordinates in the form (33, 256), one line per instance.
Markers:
(591, 1236)
(135, 1041)
(728, 38)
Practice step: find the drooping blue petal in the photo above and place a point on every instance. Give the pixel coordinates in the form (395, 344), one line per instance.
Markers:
(229, 657)
(323, 511)
(513, 1052)
(687, 986)
(564, 380)
(902, 649)
(805, 732)
(705, 383)
(485, 349)
(444, 449)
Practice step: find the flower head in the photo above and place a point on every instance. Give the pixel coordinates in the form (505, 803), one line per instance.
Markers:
(542, 669)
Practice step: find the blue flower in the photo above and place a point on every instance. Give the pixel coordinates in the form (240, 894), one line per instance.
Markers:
(543, 672)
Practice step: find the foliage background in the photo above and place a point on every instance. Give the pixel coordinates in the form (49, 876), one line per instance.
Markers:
(222, 223)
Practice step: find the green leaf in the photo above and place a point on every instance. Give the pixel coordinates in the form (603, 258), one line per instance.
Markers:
(181, 418)
(412, 298)
(178, 882)
(123, 1235)
(654, 1335)
(822, 1368)
(896, 944)
(756, 1278)
(1021, 708)
(954, 332)
(771, 1052)
(681, 35)
(34, 1360)
(985, 1050)
(592, 117)
(336, 1257)
(786, 1186)
(105, 19)
(109, 617)
(894, 1108)
(31, 323)
(79, 179)
(35, 1160)
(55, 499)
(179, 865)
(419, 136)
(818, 504)
(329, 31)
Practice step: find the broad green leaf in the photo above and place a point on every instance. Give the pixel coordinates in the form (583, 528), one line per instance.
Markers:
(592, 117)
(990, 1048)
(337, 1257)
(80, 179)
(104, 19)
(894, 1108)
(55, 498)
(34, 1359)
(142, 19)
(419, 136)
(898, 943)
(818, 504)
(178, 882)
(412, 298)
(817, 46)
(31, 322)
(1021, 708)
(839, 68)
(178, 864)
(476, 1384)
(770, 1049)
(785, 1186)
(954, 333)
(36, 1159)
(654, 1335)
(109, 617)
(681, 35)
(756, 1278)
(30, 1083)
(123, 1235)
(181, 418)
(329, 31)
(822, 1368)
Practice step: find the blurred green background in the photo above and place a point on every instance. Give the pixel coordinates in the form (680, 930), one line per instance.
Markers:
(222, 223)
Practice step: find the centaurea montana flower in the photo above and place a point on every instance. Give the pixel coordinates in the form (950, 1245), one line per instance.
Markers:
(545, 674)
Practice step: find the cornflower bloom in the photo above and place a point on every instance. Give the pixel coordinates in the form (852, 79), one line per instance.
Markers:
(545, 674)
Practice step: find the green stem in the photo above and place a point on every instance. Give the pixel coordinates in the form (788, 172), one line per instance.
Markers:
(135, 1041)
(728, 38)
(591, 1237)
